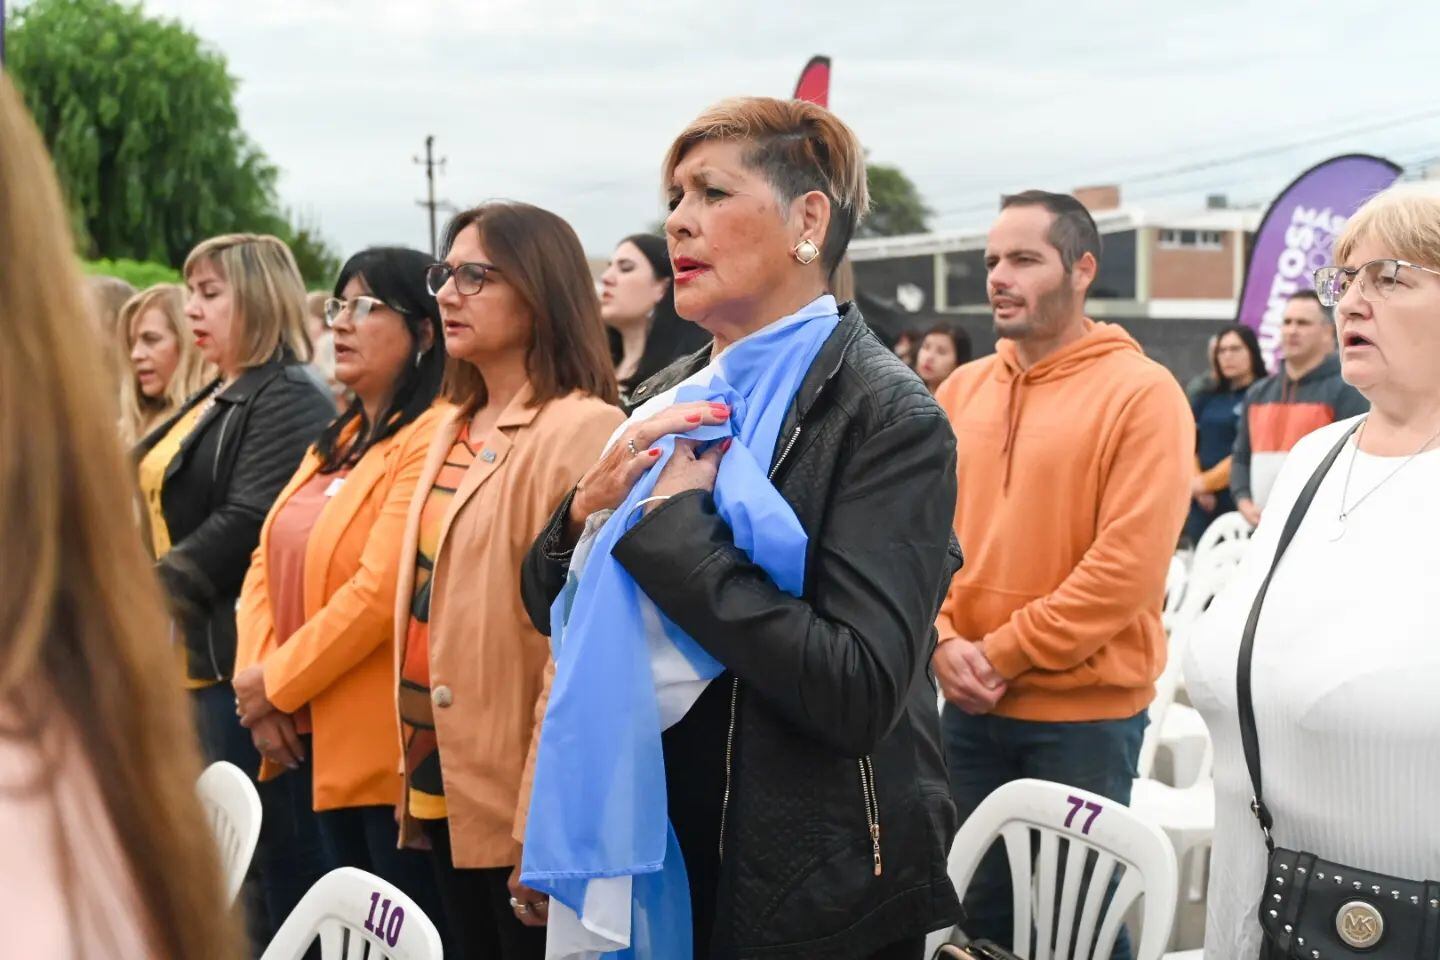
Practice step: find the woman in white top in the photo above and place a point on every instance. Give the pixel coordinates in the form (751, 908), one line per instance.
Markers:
(1346, 661)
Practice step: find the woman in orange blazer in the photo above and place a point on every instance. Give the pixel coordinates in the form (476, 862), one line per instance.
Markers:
(535, 390)
(313, 676)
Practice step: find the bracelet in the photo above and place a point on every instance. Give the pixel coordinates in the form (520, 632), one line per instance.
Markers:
(648, 500)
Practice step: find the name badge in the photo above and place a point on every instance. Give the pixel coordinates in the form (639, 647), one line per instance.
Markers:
(335, 486)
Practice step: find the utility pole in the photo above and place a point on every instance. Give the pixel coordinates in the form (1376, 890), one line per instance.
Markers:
(429, 203)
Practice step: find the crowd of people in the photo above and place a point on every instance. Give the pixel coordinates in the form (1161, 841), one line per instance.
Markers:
(451, 553)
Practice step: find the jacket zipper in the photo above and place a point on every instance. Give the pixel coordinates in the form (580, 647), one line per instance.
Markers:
(214, 480)
(872, 810)
(735, 685)
(729, 754)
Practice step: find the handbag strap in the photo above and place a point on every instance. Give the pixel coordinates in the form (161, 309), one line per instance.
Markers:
(1248, 737)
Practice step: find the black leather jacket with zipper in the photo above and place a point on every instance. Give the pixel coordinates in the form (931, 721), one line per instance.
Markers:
(217, 492)
(826, 772)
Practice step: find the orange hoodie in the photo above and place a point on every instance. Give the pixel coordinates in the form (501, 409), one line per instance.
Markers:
(1074, 482)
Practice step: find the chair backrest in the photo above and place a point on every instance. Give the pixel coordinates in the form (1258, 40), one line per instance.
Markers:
(1207, 578)
(1065, 847)
(357, 916)
(233, 807)
(1175, 585)
(1227, 526)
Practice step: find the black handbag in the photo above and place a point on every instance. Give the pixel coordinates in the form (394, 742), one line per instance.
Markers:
(973, 950)
(1316, 909)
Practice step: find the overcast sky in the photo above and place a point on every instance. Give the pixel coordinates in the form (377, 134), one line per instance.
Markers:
(571, 105)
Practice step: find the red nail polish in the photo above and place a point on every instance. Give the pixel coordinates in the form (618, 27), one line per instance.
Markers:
(726, 445)
(653, 451)
(693, 418)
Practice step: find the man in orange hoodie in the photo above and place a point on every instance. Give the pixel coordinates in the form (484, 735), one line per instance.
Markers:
(1075, 454)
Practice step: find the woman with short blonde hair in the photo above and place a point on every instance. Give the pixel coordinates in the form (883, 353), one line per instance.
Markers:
(786, 502)
(106, 850)
(1321, 686)
(166, 367)
(208, 476)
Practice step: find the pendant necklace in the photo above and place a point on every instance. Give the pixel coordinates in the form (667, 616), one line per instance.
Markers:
(1337, 530)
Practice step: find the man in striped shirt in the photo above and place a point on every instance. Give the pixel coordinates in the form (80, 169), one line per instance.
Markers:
(1303, 396)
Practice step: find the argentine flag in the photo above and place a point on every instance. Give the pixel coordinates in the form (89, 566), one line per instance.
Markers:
(598, 839)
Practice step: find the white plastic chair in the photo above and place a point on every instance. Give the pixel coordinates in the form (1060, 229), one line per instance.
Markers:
(1175, 582)
(1187, 816)
(357, 916)
(1223, 529)
(1023, 811)
(233, 807)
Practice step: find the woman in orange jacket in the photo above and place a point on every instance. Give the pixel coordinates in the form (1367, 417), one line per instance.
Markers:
(313, 674)
(535, 387)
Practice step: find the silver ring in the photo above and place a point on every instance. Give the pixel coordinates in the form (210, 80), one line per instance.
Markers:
(630, 445)
(522, 908)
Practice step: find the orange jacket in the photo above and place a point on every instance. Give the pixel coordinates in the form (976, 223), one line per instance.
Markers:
(1074, 482)
(494, 665)
(339, 662)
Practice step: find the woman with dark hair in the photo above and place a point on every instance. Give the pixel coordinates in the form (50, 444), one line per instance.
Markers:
(315, 617)
(534, 394)
(943, 348)
(637, 303)
(743, 594)
(1235, 364)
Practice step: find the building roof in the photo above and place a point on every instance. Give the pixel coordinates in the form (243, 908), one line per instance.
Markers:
(1130, 217)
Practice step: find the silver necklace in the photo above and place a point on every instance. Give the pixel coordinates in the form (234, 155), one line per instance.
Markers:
(1338, 530)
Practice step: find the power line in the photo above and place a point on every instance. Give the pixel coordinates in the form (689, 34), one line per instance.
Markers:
(1229, 160)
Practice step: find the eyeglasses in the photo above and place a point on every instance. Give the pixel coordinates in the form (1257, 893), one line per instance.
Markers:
(469, 277)
(359, 309)
(1377, 280)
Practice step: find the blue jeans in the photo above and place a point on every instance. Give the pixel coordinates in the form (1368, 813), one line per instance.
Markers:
(986, 752)
(289, 857)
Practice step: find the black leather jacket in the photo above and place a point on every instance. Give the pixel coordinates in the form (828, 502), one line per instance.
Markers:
(217, 492)
(824, 732)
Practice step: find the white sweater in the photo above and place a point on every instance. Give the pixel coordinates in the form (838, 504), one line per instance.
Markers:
(1346, 685)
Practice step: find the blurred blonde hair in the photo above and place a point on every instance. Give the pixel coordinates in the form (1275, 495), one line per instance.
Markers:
(267, 292)
(140, 414)
(798, 146)
(86, 668)
(1404, 219)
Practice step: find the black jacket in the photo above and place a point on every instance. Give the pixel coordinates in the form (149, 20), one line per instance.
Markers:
(828, 708)
(217, 492)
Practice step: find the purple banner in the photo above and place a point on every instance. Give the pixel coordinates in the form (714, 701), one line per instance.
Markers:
(1297, 236)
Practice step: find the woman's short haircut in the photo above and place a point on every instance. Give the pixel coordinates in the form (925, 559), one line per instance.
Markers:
(267, 291)
(538, 254)
(798, 147)
(1404, 220)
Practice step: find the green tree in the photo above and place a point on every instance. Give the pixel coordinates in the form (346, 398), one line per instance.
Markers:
(140, 119)
(319, 265)
(895, 204)
(138, 275)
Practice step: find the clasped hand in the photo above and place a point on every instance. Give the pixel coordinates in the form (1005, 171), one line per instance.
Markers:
(606, 484)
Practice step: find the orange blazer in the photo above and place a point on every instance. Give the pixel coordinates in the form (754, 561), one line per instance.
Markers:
(494, 663)
(339, 662)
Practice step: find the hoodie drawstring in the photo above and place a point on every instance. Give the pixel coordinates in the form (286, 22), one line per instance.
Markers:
(1012, 420)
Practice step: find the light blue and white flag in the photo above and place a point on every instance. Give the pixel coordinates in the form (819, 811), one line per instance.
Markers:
(598, 839)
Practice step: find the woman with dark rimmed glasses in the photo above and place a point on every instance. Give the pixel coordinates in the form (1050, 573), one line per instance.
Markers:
(314, 617)
(1344, 664)
(534, 391)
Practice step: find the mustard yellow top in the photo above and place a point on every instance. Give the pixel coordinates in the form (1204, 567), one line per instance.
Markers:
(152, 481)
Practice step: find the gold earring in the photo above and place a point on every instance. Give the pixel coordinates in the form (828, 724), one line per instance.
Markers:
(805, 251)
